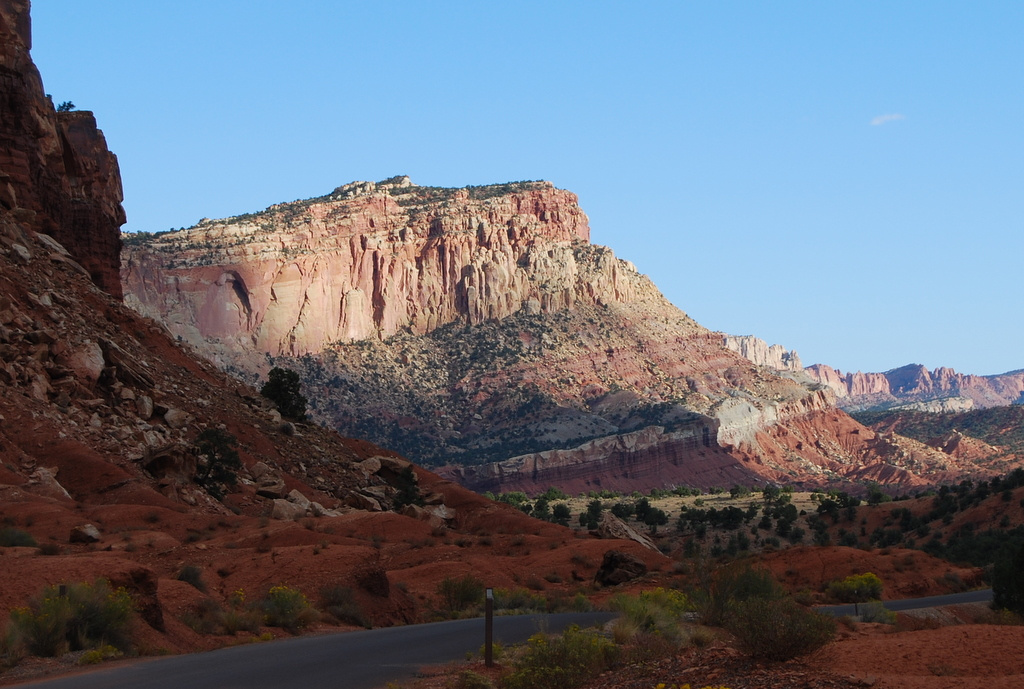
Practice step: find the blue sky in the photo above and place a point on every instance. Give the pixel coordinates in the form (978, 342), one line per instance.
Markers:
(843, 178)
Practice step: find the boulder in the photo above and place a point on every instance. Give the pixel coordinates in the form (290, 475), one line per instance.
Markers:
(283, 509)
(176, 418)
(297, 498)
(613, 527)
(85, 533)
(271, 486)
(618, 567)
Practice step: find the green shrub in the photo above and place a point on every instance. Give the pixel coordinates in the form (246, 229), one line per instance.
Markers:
(472, 680)
(659, 612)
(192, 574)
(876, 612)
(86, 616)
(459, 593)
(283, 389)
(287, 608)
(220, 461)
(856, 588)
(340, 603)
(561, 662)
(1008, 582)
(778, 629)
(730, 586)
(519, 600)
(11, 537)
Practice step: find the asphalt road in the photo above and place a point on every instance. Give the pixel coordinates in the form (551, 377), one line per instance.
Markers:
(981, 596)
(350, 660)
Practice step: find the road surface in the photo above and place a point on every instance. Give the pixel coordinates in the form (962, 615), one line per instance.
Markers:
(981, 596)
(349, 660)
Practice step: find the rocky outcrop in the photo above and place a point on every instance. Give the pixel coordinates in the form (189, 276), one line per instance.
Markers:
(943, 389)
(370, 260)
(757, 350)
(55, 170)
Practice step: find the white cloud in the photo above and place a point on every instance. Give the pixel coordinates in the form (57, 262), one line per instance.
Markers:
(882, 119)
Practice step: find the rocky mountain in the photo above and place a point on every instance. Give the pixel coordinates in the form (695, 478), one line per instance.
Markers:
(915, 387)
(478, 330)
(912, 387)
(103, 416)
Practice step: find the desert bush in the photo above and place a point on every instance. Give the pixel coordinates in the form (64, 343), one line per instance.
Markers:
(283, 389)
(287, 608)
(778, 629)
(561, 662)
(85, 616)
(1008, 582)
(659, 612)
(192, 574)
(340, 602)
(519, 600)
(472, 680)
(856, 588)
(98, 655)
(876, 612)
(220, 461)
(210, 617)
(459, 593)
(732, 585)
(11, 537)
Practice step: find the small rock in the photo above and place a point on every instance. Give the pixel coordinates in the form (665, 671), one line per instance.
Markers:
(271, 487)
(86, 533)
(21, 253)
(144, 406)
(176, 418)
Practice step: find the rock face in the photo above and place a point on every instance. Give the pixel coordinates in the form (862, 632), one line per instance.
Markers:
(757, 350)
(370, 260)
(55, 169)
(915, 387)
(478, 330)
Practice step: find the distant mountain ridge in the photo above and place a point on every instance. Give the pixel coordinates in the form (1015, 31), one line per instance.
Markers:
(912, 387)
(915, 387)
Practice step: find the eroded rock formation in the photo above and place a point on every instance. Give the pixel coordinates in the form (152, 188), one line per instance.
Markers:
(757, 350)
(56, 173)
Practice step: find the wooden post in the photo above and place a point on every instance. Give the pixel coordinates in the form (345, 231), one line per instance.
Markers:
(489, 628)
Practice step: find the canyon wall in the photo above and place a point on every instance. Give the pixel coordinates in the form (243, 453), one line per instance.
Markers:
(55, 170)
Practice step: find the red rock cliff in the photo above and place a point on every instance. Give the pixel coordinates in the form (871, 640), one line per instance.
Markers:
(369, 260)
(55, 169)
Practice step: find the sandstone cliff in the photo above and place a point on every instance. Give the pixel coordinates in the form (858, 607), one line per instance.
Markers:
(371, 260)
(912, 386)
(55, 170)
(478, 329)
(757, 350)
